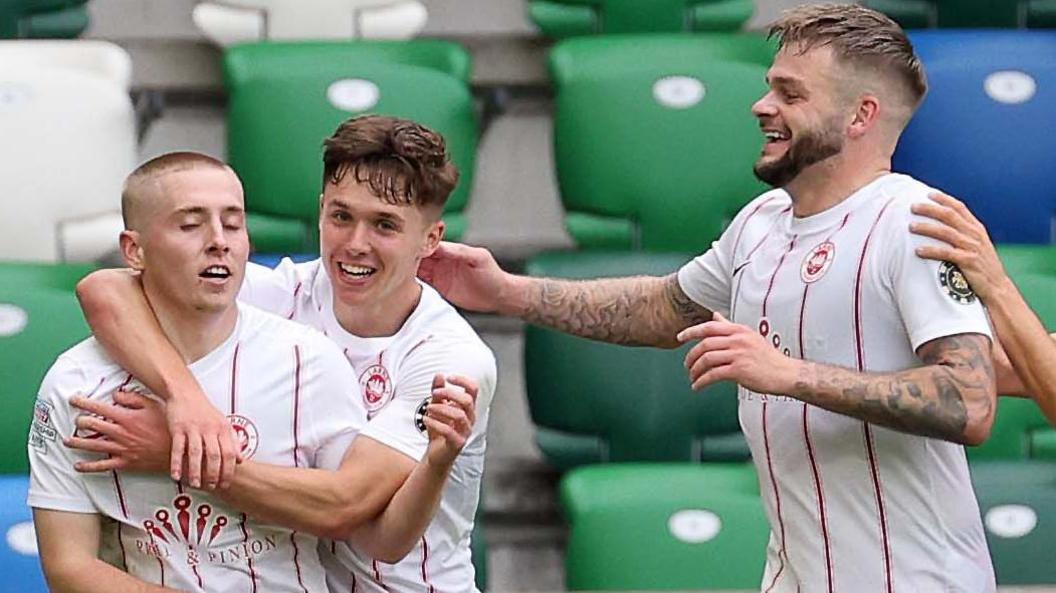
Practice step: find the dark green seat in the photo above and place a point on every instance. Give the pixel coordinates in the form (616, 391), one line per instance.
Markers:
(1041, 14)
(664, 527)
(911, 14)
(1018, 505)
(958, 14)
(282, 106)
(56, 276)
(593, 402)
(654, 139)
(479, 550)
(566, 18)
(37, 323)
(42, 19)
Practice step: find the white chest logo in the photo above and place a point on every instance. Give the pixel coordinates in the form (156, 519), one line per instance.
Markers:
(817, 262)
(376, 386)
(246, 433)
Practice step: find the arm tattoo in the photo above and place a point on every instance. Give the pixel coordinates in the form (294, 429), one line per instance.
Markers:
(947, 399)
(638, 311)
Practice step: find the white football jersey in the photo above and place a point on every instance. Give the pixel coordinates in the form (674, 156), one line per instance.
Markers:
(292, 400)
(852, 506)
(396, 375)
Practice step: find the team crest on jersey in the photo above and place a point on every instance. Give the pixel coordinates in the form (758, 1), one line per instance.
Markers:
(376, 386)
(246, 434)
(952, 279)
(419, 415)
(817, 262)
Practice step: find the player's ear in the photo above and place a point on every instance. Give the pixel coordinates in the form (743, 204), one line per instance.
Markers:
(131, 250)
(865, 116)
(434, 234)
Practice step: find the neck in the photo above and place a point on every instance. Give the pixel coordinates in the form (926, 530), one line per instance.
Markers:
(824, 185)
(193, 333)
(382, 318)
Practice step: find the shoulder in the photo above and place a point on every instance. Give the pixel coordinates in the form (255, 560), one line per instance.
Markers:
(764, 207)
(896, 196)
(70, 372)
(441, 337)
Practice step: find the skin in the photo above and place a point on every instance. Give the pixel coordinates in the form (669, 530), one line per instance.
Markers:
(811, 95)
(1027, 350)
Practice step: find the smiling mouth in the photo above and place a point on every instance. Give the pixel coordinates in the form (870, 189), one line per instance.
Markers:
(774, 136)
(356, 271)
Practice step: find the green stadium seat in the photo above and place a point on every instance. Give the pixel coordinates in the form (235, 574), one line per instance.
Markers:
(42, 19)
(593, 402)
(654, 139)
(1041, 14)
(479, 550)
(664, 527)
(559, 19)
(37, 323)
(911, 14)
(1018, 505)
(286, 98)
(958, 14)
(54, 276)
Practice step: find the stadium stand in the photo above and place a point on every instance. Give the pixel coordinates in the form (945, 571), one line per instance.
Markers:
(1040, 14)
(69, 130)
(594, 402)
(43, 19)
(653, 139)
(664, 527)
(1020, 520)
(567, 18)
(239, 21)
(920, 14)
(286, 97)
(986, 130)
(18, 548)
(911, 14)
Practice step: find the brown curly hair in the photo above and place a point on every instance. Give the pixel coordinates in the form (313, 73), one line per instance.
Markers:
(402, 162)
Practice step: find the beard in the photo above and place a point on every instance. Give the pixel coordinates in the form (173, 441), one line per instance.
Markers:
(807, 148)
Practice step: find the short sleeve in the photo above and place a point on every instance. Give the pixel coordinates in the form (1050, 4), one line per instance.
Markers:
(399, 424)
(933, 298)
(53, 482)
(274, 291)
(334, 408)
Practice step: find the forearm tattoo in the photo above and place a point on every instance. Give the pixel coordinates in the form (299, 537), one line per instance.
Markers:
(939, 400)
(639, 311)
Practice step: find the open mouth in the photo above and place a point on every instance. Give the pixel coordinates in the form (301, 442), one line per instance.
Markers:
(216, 272)
(356, 271)
(774, 136)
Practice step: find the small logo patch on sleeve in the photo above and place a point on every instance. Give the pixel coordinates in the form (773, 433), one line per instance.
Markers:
(419, 416)
(956, 285)
(42, 430)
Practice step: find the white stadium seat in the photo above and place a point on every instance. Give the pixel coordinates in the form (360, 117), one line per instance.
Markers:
(68, 141)
(236, 21)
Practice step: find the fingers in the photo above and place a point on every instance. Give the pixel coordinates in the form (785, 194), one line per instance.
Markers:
(438, 381)
(92, 445)
(99, 425)
(455, 397)
(716, 374)
(229, 454)
(449, 434)
(941, 253)
(213, 461)
(194, 458)
(943, 233)
(710, 360)
(102, 465)
(179, 447)
(709, 329)
(451, 416)
(469, 385)
(130, 399)
(99, 408)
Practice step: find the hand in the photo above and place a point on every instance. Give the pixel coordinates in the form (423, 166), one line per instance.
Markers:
(199, 429)
(466, 276)
(449, 418)
(967, 243)
(131, 431)
(729, 351)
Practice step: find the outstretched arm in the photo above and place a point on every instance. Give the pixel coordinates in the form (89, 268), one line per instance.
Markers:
(951, 397)
(124, 323)
(69, 547)
(1029, 348)
(638, 311)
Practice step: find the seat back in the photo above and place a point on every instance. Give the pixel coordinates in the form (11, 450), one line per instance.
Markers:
(563, 18)
(986, 129)
(42, 19)
(68, 142)
(593, 402)
(36, 325)
(286, 98)
(654, 138)
(648, 527)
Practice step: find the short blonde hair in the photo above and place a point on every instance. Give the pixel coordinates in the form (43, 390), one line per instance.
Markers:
(132, 195)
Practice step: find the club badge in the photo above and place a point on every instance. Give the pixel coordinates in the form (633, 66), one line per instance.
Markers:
(817, 262)
(419, 416)
(376, 386)
(952, 279)
(246, 435)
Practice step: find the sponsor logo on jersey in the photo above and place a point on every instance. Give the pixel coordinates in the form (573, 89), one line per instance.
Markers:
(817, 262)
(245, 433)
(41, 431)
(956, 285)
(194, 533)
(376, 386)
(419, 415)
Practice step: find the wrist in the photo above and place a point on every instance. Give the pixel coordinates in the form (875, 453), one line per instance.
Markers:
(515, 295)
(794, 378)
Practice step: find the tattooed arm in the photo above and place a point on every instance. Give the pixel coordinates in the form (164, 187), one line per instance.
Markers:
(639, 311)
(951, 397)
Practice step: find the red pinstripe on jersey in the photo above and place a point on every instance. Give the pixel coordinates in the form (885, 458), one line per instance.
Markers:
(870, 447)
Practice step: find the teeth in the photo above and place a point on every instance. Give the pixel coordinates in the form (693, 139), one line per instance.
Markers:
(774, 136)
(356, 270)
(217, 271)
